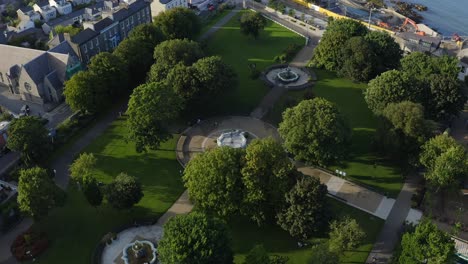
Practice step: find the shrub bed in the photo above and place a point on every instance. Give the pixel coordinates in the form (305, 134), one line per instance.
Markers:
(29, 245)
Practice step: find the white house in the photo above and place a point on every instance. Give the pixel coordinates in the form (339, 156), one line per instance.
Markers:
(47, 12)
(63, 7)
(28, 13)
(158, 6)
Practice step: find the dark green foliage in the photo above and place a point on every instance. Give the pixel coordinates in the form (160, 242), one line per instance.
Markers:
(257, 255)
(148, 33)
(28, 136)
(315, 131)
(391, 87)
(427, 244)
(37, 193)
(306, 210)
(267, 175)
(252, 23)
(358, 61)
(172, 52)
(288, 54)
(214, 181)
(195, 239)
(446, 98)
(328, 53)
(124, 191)
(322, 255)
(91, 191)
(386, 50)
(178, 23)
(150, 108)
(112, 73)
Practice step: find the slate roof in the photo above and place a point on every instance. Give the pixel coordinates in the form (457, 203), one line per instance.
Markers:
(464, 59)
(102, 24)
(164, 1)
(26, 9)
(84, 36)
(54, 79)
(42, 3)
(37, 68)
(130, 10)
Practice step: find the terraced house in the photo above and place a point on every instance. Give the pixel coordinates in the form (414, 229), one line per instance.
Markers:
(118, 19)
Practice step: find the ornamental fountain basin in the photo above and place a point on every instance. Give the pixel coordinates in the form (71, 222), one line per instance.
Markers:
(140, 252)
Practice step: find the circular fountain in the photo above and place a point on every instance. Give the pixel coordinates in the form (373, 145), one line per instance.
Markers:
(233, 139)
(287, 75)
(139, 252)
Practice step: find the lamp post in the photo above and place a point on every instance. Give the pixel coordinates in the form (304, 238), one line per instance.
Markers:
(370, 15)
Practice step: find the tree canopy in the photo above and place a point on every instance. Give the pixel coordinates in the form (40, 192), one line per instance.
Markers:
(328, 52)
(315, 131)
(37, 193)
(112, 72)
(148, 33)
(178, 23)
(82, 166)
(345, 234)
(323, 255)
(306, 210)
(91, 190)
(268, 175)
(28, 136)
(150, 108)
(386, 50)
(445, 160)
(252, 23)
(82, 92)
(172, 52)
(138, 55)
(124, 191)
(214, 182)
(427, 244)
(195, 239)
(446, 97)
(358, 61)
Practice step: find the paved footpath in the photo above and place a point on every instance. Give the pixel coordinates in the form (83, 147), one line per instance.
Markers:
(389, 236)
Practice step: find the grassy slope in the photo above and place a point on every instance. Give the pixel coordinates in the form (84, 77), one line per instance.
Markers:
(239, 51)
(349, 98)
(76, 228)
(276, 241)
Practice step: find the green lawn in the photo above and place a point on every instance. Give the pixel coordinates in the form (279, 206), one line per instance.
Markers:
(76, 228)
(276, 241)
(363, 165)
(239, 51)
(209, 21)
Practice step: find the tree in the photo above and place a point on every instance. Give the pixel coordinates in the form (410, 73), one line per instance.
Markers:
(195, 239)
(327, 54)
(386, 50)
(150, 108)
(214, 182)
(82, 166)
(252, 23)
(268, 175)
(138, 55)
(407, 117)
(445, 160)
(427, 244)
(391, 87)
(172, 52)
(82, 93)
(307, 210)
(358, 61)
(178, 23)
(215, 76)
(422, 66)
(257, 255)
(124, 191)
(183, 80)
(37, 193)
(315, 131)
(29, 136)
(92, 191)
(148, 33)
(322, 255)
(402, 131)
(112, 72)
(345, 235)
(446, 97)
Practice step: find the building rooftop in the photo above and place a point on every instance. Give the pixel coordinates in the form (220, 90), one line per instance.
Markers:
(26, 9)
(84, 36)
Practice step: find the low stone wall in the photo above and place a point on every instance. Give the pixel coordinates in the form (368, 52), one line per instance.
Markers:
(263, 77)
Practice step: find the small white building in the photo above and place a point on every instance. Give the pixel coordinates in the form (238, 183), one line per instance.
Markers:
(28, 13)
(63, 7)
(158, 6)
(47, 12)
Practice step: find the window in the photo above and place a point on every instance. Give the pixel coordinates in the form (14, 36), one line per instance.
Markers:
(85, 49)
(128, 22)
(97, 42)
(27, 86)
(1, 77)
(91, 44)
